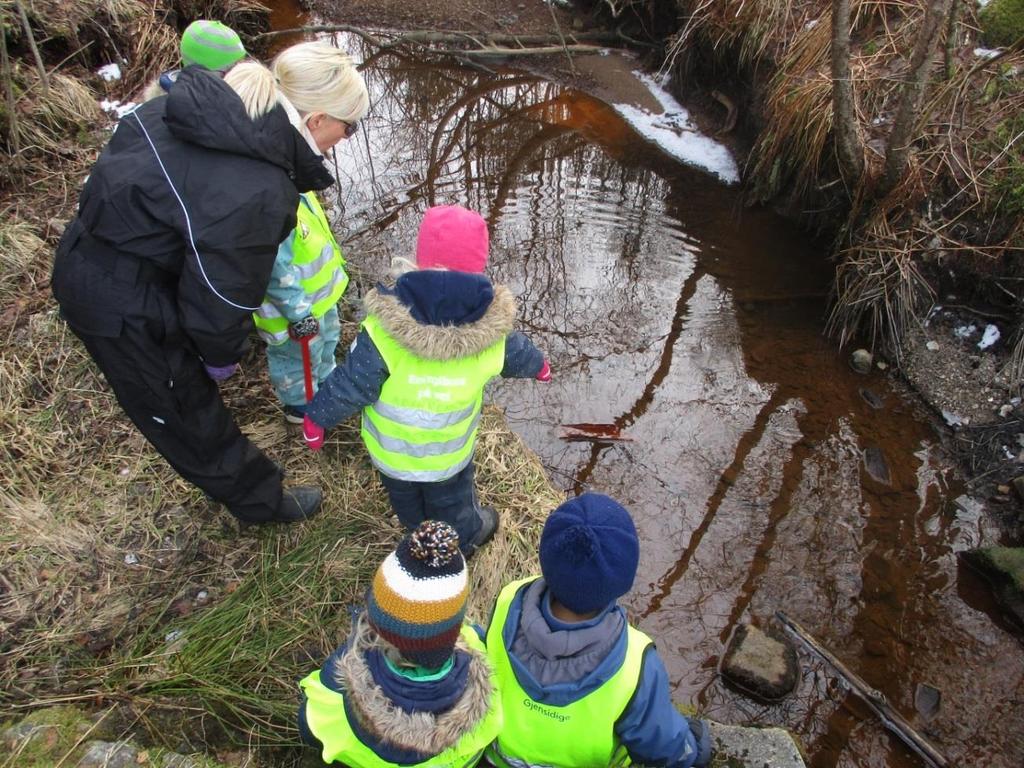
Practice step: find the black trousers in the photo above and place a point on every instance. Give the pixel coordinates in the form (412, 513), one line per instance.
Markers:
(452, 501)
(162, 386)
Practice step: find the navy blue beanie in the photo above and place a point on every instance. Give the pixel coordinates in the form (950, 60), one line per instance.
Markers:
(589, 552)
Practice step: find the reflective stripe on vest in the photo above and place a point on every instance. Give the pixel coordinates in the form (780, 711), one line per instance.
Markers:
(423, 426)
(326, 718)
(317, 265)
(578, 735)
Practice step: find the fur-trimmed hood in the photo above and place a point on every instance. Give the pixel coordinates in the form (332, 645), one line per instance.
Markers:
(422, 732)
(443, 341)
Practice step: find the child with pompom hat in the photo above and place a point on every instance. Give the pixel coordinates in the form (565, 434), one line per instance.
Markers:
(417, 371)
(413, 684)
(580, 687)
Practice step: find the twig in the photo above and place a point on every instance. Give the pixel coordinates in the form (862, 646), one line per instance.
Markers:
(558, 31)
(892, 719)
(32, 44)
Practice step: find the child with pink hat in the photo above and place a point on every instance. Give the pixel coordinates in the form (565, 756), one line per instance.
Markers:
(417, 371)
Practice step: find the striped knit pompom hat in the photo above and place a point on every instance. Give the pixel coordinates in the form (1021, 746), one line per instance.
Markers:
(418, 597)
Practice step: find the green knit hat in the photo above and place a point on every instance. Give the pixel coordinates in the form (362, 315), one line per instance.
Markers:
(210, 44)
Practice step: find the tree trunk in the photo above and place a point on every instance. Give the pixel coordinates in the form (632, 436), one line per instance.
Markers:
(907, 116)
(844, 107)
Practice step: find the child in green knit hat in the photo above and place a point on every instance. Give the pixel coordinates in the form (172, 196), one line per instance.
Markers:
(212, 45)
(204, 43)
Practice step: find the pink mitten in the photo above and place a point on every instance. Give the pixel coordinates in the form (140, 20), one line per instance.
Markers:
(545, 373)
(313, 433)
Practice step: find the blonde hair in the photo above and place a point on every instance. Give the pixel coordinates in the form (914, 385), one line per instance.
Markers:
(255, 86)
(317, 77)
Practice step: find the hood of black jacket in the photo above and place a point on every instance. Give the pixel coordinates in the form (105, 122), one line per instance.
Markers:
(202, 109)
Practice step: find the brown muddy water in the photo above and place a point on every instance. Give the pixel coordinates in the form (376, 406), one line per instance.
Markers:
(693, 326)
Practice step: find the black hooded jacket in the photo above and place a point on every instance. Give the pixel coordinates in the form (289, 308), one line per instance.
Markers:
(238, 179)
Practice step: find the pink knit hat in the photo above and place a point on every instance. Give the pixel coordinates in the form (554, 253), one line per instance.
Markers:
(454, 238)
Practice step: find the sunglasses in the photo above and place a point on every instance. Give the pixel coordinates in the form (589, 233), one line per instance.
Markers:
(350, 128)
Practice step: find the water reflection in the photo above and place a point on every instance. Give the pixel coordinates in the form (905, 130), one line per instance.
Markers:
(692, 324)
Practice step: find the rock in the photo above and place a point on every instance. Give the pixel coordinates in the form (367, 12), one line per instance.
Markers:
(860, 361)
(932, 345)
(739, 747)
(762, 665)
(927, 700)
(1004, 569)
(876, 465)
(881, 365)
(26, 734)
(872, 399)
(109, 754)
(1018, 486)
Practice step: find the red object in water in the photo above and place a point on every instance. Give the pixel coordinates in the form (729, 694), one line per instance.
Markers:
(586, 431)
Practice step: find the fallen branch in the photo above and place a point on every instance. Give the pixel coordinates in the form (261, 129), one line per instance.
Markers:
(493, 50)
(426, 37)
(875, 699)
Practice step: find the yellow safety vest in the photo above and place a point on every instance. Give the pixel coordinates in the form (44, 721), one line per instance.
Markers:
(317, 265)
(423, 426)
(326, 718)
(577, 735)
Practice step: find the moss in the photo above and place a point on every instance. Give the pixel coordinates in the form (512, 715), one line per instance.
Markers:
(1002, 22)
(1008, 182)
(45, 736)
(1009, 560)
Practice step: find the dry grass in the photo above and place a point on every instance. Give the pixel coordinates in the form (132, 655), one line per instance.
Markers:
(880, 290)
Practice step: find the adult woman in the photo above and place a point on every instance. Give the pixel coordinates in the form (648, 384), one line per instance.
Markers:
(171, 251)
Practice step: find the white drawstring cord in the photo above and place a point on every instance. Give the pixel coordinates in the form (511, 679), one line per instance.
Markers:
(188, 222)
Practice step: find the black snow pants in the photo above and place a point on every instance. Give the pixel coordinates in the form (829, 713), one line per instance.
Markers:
(126, 315)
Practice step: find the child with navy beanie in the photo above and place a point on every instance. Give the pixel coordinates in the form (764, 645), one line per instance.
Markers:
(581, 687)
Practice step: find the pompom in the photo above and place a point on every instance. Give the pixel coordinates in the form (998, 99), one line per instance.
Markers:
(434, 543)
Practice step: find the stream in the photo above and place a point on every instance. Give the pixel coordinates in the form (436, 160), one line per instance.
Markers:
(691, 326)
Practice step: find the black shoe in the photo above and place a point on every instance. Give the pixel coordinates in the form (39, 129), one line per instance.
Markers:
(488, 527)
(293, 415)
(300, 502)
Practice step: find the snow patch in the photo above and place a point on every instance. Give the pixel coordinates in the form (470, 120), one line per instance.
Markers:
(119, 108)
(987, 53)
(676, 135)
(990, 337)
(110, 72)
(953, 419)
(965, 331)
